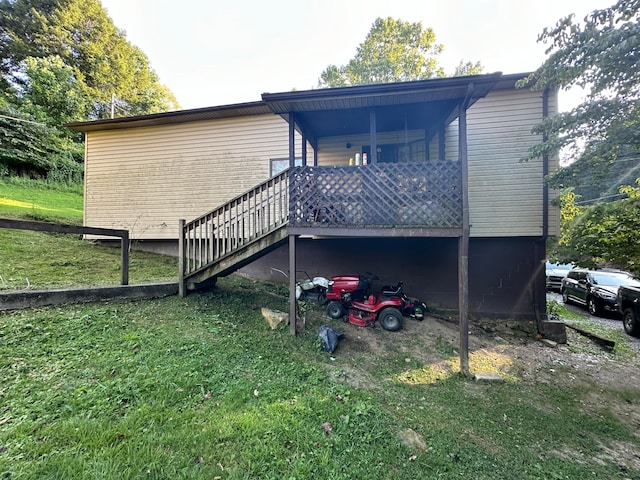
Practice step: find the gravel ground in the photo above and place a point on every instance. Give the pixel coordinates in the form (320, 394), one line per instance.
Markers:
(611, 320)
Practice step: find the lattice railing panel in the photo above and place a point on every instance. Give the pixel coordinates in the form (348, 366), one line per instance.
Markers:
(427, 194)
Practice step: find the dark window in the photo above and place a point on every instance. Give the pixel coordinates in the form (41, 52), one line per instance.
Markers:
(577, 275)
(399, 153)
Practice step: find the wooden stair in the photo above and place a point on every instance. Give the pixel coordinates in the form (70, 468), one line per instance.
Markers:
(234, 234)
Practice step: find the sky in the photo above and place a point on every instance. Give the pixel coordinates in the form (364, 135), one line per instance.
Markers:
(221, 52)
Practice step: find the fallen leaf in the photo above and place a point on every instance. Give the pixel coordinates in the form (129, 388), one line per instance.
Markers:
(207, 395)
(256, 393)
(413, 457)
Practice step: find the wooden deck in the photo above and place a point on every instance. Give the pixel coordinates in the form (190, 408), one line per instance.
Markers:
(399, 200)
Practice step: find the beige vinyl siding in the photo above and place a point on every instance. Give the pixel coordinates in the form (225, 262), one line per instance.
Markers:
(146, 179)
(554, 164)
(505, 195)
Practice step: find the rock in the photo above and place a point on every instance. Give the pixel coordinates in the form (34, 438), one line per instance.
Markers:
(489, 377)
(274, 317)
(411, 439)
(549, 343)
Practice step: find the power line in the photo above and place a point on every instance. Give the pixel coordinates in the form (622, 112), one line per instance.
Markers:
(23, 120)
(591, 200)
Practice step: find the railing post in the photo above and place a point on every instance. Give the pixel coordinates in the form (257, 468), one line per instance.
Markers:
(292, 284)
(182, 290)
(124, 256)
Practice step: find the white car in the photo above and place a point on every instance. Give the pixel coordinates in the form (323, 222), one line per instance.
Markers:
(555, 273)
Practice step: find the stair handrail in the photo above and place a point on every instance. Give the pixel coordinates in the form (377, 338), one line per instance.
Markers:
(231, 226)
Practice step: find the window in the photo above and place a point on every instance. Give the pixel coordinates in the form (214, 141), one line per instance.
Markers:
(278, 165)
(399, 153)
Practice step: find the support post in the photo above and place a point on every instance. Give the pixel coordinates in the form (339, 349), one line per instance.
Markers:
(182, 290)
(373, 136)
(292, 139)
(463, 302)
(304, 149)
(292, 284)
(124, 255)
(463, 244)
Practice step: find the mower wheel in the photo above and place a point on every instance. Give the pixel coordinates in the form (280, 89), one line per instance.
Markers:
(391, 319)
(335, 310)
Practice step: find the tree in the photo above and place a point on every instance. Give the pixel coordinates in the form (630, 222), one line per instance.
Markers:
(606, 234)
(393, 51)
(82, 34)
(467, 68)
(50, 92)
(601, 135)
(32, 148)
(602, 54)
(21, 25)
(62, 61)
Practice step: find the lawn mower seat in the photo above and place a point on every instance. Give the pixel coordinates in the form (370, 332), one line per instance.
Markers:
(392, 290)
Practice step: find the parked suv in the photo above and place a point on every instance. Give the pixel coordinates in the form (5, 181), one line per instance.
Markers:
(555, 273)
(595, 289)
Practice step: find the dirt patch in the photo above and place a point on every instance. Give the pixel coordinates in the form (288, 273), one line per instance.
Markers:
(509, 349)
(430, 351)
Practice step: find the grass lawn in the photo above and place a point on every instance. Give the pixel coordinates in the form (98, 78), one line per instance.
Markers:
(40, 260)
(202, 388)
(36, 200)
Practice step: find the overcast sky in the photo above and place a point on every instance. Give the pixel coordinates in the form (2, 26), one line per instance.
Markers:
(218, 52)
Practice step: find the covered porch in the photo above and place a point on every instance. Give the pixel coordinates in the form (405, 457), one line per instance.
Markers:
(410, 188)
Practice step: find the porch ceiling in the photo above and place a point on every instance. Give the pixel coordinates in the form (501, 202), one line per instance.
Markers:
(422, 104)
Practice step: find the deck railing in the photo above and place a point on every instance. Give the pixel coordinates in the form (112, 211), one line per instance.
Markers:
(239, 222)
(405, 195)
(399, 195)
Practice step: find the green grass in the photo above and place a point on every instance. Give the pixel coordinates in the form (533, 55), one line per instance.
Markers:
(37, 200)
(39, 260)
(201, 388)
(583, 321)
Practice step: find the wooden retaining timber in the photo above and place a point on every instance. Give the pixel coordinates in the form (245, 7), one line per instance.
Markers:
(76, 229)
(41, 298)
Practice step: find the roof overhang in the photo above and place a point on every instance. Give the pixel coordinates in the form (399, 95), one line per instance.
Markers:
(344, 110)
(422, 104)
(179, 116)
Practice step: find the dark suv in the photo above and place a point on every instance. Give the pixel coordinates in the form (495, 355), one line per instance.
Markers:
(595, 289)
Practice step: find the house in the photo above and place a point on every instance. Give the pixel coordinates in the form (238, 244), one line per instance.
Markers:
(444, 202)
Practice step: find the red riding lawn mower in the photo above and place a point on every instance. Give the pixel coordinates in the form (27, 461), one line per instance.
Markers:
(350, 295)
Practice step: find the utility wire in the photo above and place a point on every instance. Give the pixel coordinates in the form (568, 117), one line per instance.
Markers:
(592, 200)
(23, 120)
